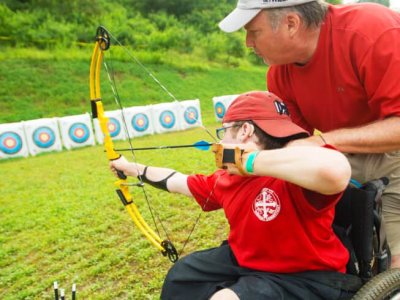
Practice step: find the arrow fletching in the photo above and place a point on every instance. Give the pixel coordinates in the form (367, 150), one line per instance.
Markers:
(202, 145)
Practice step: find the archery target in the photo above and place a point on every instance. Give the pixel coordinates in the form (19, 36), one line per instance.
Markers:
(220, 109)
(76, 131)
(12, 141)
(221, 104)
(114, 126)
(79, 132)
(140, 120)
(42, 135)
(165, 117)
(190, 114)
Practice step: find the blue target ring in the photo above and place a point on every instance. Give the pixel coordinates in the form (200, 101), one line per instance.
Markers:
(10, 142)
(140, 122)
(191, 115)
(167, 119)
(114, 127)
(220, 109)
(44, 137)
(79, 133)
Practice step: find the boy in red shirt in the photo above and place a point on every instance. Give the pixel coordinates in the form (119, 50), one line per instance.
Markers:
(279, 203)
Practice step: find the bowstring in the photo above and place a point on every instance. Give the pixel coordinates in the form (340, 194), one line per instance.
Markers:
(111, 77)
(110, 73)
(159, 83)
(199, 215)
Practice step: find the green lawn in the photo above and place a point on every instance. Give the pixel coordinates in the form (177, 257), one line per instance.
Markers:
(61, 220)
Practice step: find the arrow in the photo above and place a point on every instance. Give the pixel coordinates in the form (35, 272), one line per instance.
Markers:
(201, 145)
(55, 290)
(74, 291)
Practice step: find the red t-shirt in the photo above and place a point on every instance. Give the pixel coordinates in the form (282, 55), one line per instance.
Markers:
(352, 78)
(273, 227)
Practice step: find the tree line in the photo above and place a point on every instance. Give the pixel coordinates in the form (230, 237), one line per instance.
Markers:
(157, 25)
(186, 26)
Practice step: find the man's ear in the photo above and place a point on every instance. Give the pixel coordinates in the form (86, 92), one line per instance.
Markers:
(248, 131)
(292, 23)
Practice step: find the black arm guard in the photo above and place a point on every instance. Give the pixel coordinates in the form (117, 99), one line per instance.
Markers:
(162, 184)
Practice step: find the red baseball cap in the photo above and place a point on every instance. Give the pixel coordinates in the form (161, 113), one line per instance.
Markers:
(266, 110)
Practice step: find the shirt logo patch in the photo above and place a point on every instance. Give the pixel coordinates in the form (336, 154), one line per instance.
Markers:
(266, 205)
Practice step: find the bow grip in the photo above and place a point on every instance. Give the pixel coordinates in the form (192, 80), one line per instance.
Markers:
(121, 174)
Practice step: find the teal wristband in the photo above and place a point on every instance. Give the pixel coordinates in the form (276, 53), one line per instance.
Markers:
(250, 162)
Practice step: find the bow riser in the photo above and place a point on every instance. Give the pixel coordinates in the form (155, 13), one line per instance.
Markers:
(108, 143)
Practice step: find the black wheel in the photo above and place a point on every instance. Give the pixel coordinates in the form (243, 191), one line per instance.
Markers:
(384, 286)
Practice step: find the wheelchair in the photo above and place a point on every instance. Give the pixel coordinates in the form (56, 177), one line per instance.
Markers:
(360, 226)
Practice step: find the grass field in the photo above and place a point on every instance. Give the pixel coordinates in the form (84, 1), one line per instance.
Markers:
(60, 218)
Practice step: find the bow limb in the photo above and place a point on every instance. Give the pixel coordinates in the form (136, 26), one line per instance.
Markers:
(102, 44)
(133, 211)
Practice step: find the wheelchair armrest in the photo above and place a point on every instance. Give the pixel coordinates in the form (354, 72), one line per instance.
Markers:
(359, 212)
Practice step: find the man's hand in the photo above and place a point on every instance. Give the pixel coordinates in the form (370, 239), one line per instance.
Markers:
(314, 140)
(121, 164)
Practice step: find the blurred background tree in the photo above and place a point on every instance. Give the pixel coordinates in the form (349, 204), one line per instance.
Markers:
(382, 2)
(184, 26)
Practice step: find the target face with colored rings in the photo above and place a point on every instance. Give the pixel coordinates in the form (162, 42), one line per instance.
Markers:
(10, 142)
(167, 119)
(114, 127)
(44, 137)
(79, 133)
(140, 122)
(191, 115)
(220, 109)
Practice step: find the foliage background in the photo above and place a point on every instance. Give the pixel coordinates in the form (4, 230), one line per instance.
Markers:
(158, 25)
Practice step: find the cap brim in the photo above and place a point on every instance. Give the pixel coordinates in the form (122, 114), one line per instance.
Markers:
(280, 128)
(237, 19)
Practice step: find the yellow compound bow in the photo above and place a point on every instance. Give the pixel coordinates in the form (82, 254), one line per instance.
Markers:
(102, 44)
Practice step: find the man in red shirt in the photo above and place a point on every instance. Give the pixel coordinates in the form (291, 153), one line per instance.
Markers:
(337, 69)
(279, 203)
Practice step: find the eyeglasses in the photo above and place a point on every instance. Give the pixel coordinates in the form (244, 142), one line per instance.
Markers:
(220, 132)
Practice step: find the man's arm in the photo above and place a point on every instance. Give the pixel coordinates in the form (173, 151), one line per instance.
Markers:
(318, 169)
(377, 137)
(177, 183)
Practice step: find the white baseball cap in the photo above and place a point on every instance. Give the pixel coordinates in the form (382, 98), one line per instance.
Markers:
(246, 10)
